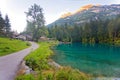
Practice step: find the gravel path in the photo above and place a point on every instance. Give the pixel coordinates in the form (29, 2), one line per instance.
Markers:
(9, 64)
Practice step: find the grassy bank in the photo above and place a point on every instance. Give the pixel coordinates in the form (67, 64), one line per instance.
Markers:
(38, 60)
(8, 46)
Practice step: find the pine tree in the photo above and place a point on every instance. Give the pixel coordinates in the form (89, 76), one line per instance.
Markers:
(2, 25)
(7, 25)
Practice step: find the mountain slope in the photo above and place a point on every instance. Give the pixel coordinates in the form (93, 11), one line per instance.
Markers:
(87, 13)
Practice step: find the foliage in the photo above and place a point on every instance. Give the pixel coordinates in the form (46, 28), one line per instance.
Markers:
(2, 25)
(96, 31)
(67, 73)
(38, 61)
(25, 77)
(8, 46)
(5, 27)
(35, 22)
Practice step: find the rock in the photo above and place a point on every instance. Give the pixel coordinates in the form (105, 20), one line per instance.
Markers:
(54, 64)
(24, 69)
(27, 71)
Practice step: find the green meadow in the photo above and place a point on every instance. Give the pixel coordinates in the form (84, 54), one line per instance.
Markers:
(8, 46)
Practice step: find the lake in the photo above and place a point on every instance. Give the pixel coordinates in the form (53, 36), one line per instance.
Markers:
(96, 59)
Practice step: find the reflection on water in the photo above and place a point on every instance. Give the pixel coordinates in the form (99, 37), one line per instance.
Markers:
(97, 59)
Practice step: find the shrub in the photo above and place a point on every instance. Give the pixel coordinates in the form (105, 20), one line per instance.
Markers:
(28, 44)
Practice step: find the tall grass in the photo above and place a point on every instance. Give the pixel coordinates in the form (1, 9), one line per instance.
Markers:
(38, 61)
(8, 46)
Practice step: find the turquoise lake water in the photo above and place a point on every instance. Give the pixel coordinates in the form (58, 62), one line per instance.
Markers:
(97, 59)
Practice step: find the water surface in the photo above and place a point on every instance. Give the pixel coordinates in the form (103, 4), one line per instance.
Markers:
(97, 59)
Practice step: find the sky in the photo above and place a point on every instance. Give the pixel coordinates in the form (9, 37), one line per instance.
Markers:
(53, 9)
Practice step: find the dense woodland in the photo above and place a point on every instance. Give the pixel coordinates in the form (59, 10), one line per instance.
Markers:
(96, 31)
(5, 27)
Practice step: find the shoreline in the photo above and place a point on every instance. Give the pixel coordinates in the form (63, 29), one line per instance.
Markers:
(51, 62)
(56, 65)
(106, 78)
(24, 69)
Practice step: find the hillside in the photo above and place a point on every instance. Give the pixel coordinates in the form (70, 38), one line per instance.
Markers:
(87, 13)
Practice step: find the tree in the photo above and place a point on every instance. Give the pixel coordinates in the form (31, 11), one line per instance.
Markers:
(2, 25)
(7, 26)
(35, 19)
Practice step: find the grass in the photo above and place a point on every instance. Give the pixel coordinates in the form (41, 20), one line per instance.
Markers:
(117, 42)
(25, 77)
(38, 61)
(8, 46)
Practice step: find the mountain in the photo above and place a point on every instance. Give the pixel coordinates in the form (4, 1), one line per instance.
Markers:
(88, 13)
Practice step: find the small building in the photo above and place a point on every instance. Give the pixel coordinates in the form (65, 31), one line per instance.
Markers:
(21, 37)
(43, 38)
(28, 37)
(14, 34)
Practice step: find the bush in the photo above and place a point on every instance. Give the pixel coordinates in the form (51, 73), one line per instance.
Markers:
(28, 44)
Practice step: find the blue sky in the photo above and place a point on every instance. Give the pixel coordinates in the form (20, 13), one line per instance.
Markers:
(52, 9)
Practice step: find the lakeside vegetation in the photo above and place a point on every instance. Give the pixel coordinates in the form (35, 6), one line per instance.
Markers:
(8, 46)
(38, 60)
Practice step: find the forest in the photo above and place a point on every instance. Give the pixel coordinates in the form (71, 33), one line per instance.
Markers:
(97, 31)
